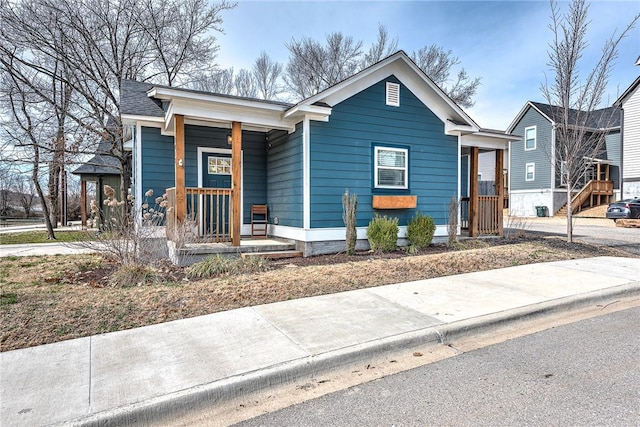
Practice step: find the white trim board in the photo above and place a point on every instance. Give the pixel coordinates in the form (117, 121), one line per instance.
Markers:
(333, 234)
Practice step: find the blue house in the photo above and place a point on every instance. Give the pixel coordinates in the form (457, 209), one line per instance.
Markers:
(536, 169)
(388, 134)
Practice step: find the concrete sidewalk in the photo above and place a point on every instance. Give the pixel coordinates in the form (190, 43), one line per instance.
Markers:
(163, 370)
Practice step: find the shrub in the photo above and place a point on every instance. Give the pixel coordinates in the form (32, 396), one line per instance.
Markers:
(420, 230)
(382, 233)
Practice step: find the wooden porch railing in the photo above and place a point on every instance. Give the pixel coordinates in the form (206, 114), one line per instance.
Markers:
(208, 209)
(488, 218)
(594, 188)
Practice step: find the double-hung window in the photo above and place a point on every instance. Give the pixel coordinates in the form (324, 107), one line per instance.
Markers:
(391, 167)
(530, 138)
(530, 172)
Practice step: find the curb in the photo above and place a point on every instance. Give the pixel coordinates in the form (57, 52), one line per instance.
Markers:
(180, 403)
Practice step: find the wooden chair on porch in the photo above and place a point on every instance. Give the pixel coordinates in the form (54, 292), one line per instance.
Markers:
(259, 221)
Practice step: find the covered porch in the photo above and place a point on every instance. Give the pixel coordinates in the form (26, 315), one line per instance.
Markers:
(482, 214)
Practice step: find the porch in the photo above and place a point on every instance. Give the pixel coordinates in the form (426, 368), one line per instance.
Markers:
(267, 248)
(483, 214)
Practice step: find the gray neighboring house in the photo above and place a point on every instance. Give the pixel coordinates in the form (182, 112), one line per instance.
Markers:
(534, 178)
(629, 102)
(102, 169)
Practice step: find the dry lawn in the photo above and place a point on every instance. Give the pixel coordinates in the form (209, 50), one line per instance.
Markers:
(54, 298)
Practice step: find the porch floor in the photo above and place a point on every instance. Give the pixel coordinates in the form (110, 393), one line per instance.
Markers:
(247, 244)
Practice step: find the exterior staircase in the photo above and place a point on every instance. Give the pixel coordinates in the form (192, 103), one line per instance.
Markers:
(595, 193)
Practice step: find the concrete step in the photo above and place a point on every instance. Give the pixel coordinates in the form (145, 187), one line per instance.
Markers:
(273, 254)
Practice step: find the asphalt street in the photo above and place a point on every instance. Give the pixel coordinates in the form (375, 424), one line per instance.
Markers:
(584, 373)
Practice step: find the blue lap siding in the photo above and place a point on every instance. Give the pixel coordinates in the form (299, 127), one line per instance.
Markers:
(158, 169)
(284, 177)
(341, 156)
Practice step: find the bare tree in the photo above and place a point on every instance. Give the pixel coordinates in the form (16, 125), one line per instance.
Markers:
(267, 74)
(29, 127)
(220, 81)
(245, 84)
(313, 66)
(180, 37)
(383, 47)
(438, 63)
(580, 127)
(99, 44)
(27, 193)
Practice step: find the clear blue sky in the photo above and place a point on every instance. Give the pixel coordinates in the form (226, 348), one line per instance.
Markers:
(503, 42)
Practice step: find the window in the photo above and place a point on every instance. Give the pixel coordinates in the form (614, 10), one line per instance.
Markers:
(391, 167)
(393, 94)
(530, 174)
(219, 165)
(530, 138)
(563, 173)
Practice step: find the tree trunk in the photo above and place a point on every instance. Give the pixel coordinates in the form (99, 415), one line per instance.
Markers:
(569, 214)
(45, 208)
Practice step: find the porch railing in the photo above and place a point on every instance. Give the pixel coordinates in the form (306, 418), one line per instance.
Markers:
(488, 215)
(209, 213)
(488, 220)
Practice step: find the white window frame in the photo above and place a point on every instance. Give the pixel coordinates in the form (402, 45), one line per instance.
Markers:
(392, 94)
(376, 167)
(533, 171)
(535, 138)
(563, 173)
(218, 158)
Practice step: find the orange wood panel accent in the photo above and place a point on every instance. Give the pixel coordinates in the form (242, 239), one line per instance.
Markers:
(394, 202)
(236, 179)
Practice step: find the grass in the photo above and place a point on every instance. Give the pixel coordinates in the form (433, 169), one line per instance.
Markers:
(40, 236)
(53, 298)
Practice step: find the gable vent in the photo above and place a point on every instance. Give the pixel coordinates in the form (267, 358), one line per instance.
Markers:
(393, 94)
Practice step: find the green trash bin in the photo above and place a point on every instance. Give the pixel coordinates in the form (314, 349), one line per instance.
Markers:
(542, 211)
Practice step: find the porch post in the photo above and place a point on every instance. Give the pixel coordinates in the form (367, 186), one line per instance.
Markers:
(500, 188)
(236, 180)
(181, 197)
(473, 192)
(83, 203)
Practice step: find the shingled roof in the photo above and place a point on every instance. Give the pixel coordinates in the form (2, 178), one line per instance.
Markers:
(136, 101)
(102, 163)
(605, 118)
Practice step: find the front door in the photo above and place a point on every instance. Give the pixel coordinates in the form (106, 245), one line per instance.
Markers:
(216, 173)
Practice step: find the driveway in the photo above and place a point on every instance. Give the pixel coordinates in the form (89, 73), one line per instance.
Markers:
(591, 230)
